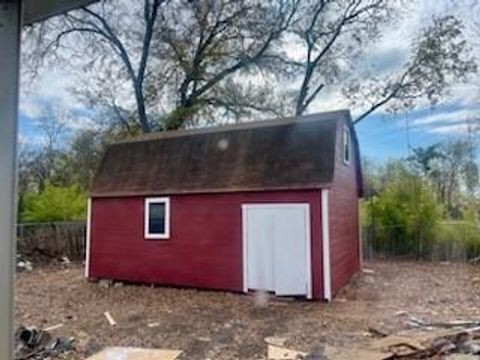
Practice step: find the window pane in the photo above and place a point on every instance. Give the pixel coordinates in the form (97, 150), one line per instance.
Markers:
(156, 221)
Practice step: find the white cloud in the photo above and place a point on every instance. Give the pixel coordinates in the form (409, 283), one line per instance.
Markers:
(53, 89)
(50, 84)
(453, 129)
(457, 116)
(386, 55)
(80, 122)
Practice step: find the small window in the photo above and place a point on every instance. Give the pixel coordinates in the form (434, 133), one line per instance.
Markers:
(346, 146)
(157, 218)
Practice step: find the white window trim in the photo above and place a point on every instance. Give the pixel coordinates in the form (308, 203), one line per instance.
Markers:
(346, 136)
(162, 200)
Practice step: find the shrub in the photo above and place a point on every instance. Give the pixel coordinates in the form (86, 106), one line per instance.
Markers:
(404, 217)
(54, 203)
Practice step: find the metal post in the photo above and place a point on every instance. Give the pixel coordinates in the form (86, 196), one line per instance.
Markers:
(10, 24)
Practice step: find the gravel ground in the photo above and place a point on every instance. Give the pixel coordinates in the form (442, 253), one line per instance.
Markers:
(219, 325)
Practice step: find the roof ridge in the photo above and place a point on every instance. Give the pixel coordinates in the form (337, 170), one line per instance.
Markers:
(232, 127)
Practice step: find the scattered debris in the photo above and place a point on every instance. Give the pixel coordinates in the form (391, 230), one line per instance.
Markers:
(474, 260)
(204, 339)
(92, 347)
(153, 325)
(276, 341)
(127, 353)
(37, 344)
(401, 313)
(457, 337)
(397, 345)
(461, 357)
(54, 327)
(368, 271)
(66, 260)
(415, 322)
(336, 353)
(24, 265)
(260, 298)
(375, 331)
(185, 315)
(282, 353)
(118, 284)
(110, 319)
(105, 283)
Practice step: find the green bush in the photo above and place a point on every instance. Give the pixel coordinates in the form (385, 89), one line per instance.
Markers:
(54, 203)
(457, 240)
(403, 217)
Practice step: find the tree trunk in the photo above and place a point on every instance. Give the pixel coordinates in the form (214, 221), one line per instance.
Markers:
(142, 113)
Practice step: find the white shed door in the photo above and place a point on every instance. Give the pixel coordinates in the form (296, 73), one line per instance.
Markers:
(277, 248)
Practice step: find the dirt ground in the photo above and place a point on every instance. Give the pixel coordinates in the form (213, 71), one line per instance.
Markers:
(219, 325)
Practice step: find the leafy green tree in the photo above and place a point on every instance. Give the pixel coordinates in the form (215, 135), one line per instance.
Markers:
(404, 214)
(451, 168)
(423, 158)
(54, 203)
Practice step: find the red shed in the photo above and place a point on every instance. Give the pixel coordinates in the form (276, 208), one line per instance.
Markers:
(269, 205)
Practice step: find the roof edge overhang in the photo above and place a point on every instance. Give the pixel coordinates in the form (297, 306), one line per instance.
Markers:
(247, 125)
(41, 10)
(171, 192)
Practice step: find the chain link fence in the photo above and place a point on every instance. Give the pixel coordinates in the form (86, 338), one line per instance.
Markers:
(447, 241)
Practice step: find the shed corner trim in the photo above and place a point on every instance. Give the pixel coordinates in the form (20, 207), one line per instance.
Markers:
(88, 237)
(327, 278)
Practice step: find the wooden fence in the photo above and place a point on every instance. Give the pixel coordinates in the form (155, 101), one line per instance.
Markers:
(52, 240)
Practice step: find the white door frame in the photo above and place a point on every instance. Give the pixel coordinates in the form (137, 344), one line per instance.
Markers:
(327, 276)
(308, 247)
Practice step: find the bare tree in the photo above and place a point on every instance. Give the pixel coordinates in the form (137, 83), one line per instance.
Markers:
(333, 32)
(177, 62)
(103, 31)
(39, 162)
(52, 124)
(334, 35)
(208, 42)
(440, 58)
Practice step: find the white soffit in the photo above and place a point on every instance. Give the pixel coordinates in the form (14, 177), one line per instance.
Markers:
(39, 10)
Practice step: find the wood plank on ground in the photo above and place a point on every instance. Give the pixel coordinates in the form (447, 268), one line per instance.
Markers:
(129, 353)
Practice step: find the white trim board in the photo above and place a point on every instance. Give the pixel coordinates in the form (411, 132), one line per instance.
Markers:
(158, 200)
(360, 238)
(308, 254)
(308, 262)
(244, 248)
(327, 278)
(88, 237)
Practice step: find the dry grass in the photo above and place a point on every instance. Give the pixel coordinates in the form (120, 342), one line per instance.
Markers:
(218, 325)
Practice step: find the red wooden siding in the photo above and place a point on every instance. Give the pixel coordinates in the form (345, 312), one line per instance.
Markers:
(205, 245)
(343, 216)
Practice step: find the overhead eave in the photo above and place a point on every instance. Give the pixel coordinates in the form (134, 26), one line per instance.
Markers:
(39, 10)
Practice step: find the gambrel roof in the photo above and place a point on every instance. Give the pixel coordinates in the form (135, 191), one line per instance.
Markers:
(292, 153)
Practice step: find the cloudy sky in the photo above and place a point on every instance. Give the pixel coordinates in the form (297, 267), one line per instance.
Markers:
(382, 136)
